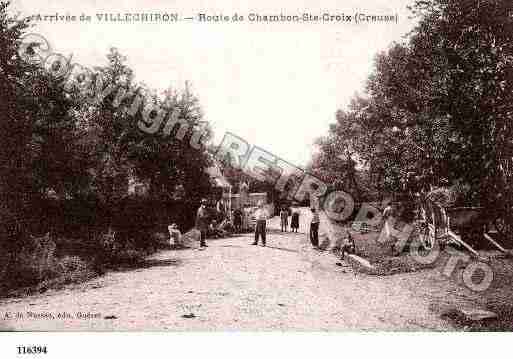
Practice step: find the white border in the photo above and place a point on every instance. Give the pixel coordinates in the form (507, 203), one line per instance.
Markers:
(258, 345)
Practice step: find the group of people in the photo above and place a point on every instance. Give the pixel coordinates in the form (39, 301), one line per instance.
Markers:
(209, 228)
(261, 216)
(284, 220)
(294, 224)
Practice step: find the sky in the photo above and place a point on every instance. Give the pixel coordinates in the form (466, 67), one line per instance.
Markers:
(277, 85)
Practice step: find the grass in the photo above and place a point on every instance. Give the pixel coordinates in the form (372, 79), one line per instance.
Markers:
(385, 256)
(498, 298)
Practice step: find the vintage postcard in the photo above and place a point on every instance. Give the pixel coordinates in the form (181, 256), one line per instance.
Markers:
(268, 166)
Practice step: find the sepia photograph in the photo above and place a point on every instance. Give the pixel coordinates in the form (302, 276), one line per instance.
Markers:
(265, 166)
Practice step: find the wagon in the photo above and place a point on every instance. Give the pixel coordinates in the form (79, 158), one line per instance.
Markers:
(460, 225)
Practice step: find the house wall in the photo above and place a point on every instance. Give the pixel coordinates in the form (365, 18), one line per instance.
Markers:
(252, 200)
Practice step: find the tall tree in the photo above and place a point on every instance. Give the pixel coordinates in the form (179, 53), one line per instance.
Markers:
(437, 108)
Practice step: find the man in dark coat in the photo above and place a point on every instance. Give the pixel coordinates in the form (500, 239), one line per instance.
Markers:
(314, 228)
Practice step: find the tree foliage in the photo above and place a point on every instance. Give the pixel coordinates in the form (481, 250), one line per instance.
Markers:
(437, 108)
(71, 144)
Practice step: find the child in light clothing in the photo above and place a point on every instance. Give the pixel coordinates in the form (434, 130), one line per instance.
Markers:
(175, 235)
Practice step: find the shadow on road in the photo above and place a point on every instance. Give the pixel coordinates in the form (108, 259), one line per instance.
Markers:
(149, 263)
(283, 249)
(6, 328)
(175, 247)
(161, 263)
(278, 231)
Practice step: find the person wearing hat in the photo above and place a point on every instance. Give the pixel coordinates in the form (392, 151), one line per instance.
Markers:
(261, 216)
(202, 222)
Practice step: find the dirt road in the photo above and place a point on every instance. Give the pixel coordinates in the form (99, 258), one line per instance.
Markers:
(233, 285)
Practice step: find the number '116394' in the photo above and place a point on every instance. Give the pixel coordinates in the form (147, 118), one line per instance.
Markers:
(32, 349)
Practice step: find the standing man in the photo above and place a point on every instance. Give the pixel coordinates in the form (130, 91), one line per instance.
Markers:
(284, 217)
(314, 228)
(261, 218)
(202, 222)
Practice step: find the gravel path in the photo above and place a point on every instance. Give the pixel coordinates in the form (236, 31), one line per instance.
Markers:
(233, 285)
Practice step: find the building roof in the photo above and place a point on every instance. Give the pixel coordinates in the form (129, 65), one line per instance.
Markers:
(217, 177)
(221, 182)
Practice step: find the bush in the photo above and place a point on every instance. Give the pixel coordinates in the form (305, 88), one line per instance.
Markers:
(129, 256)
(161, 240)
(37, 266)
(43, 262)
(70, 269)
(37, 261)
(69, 264)
(120, 249)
